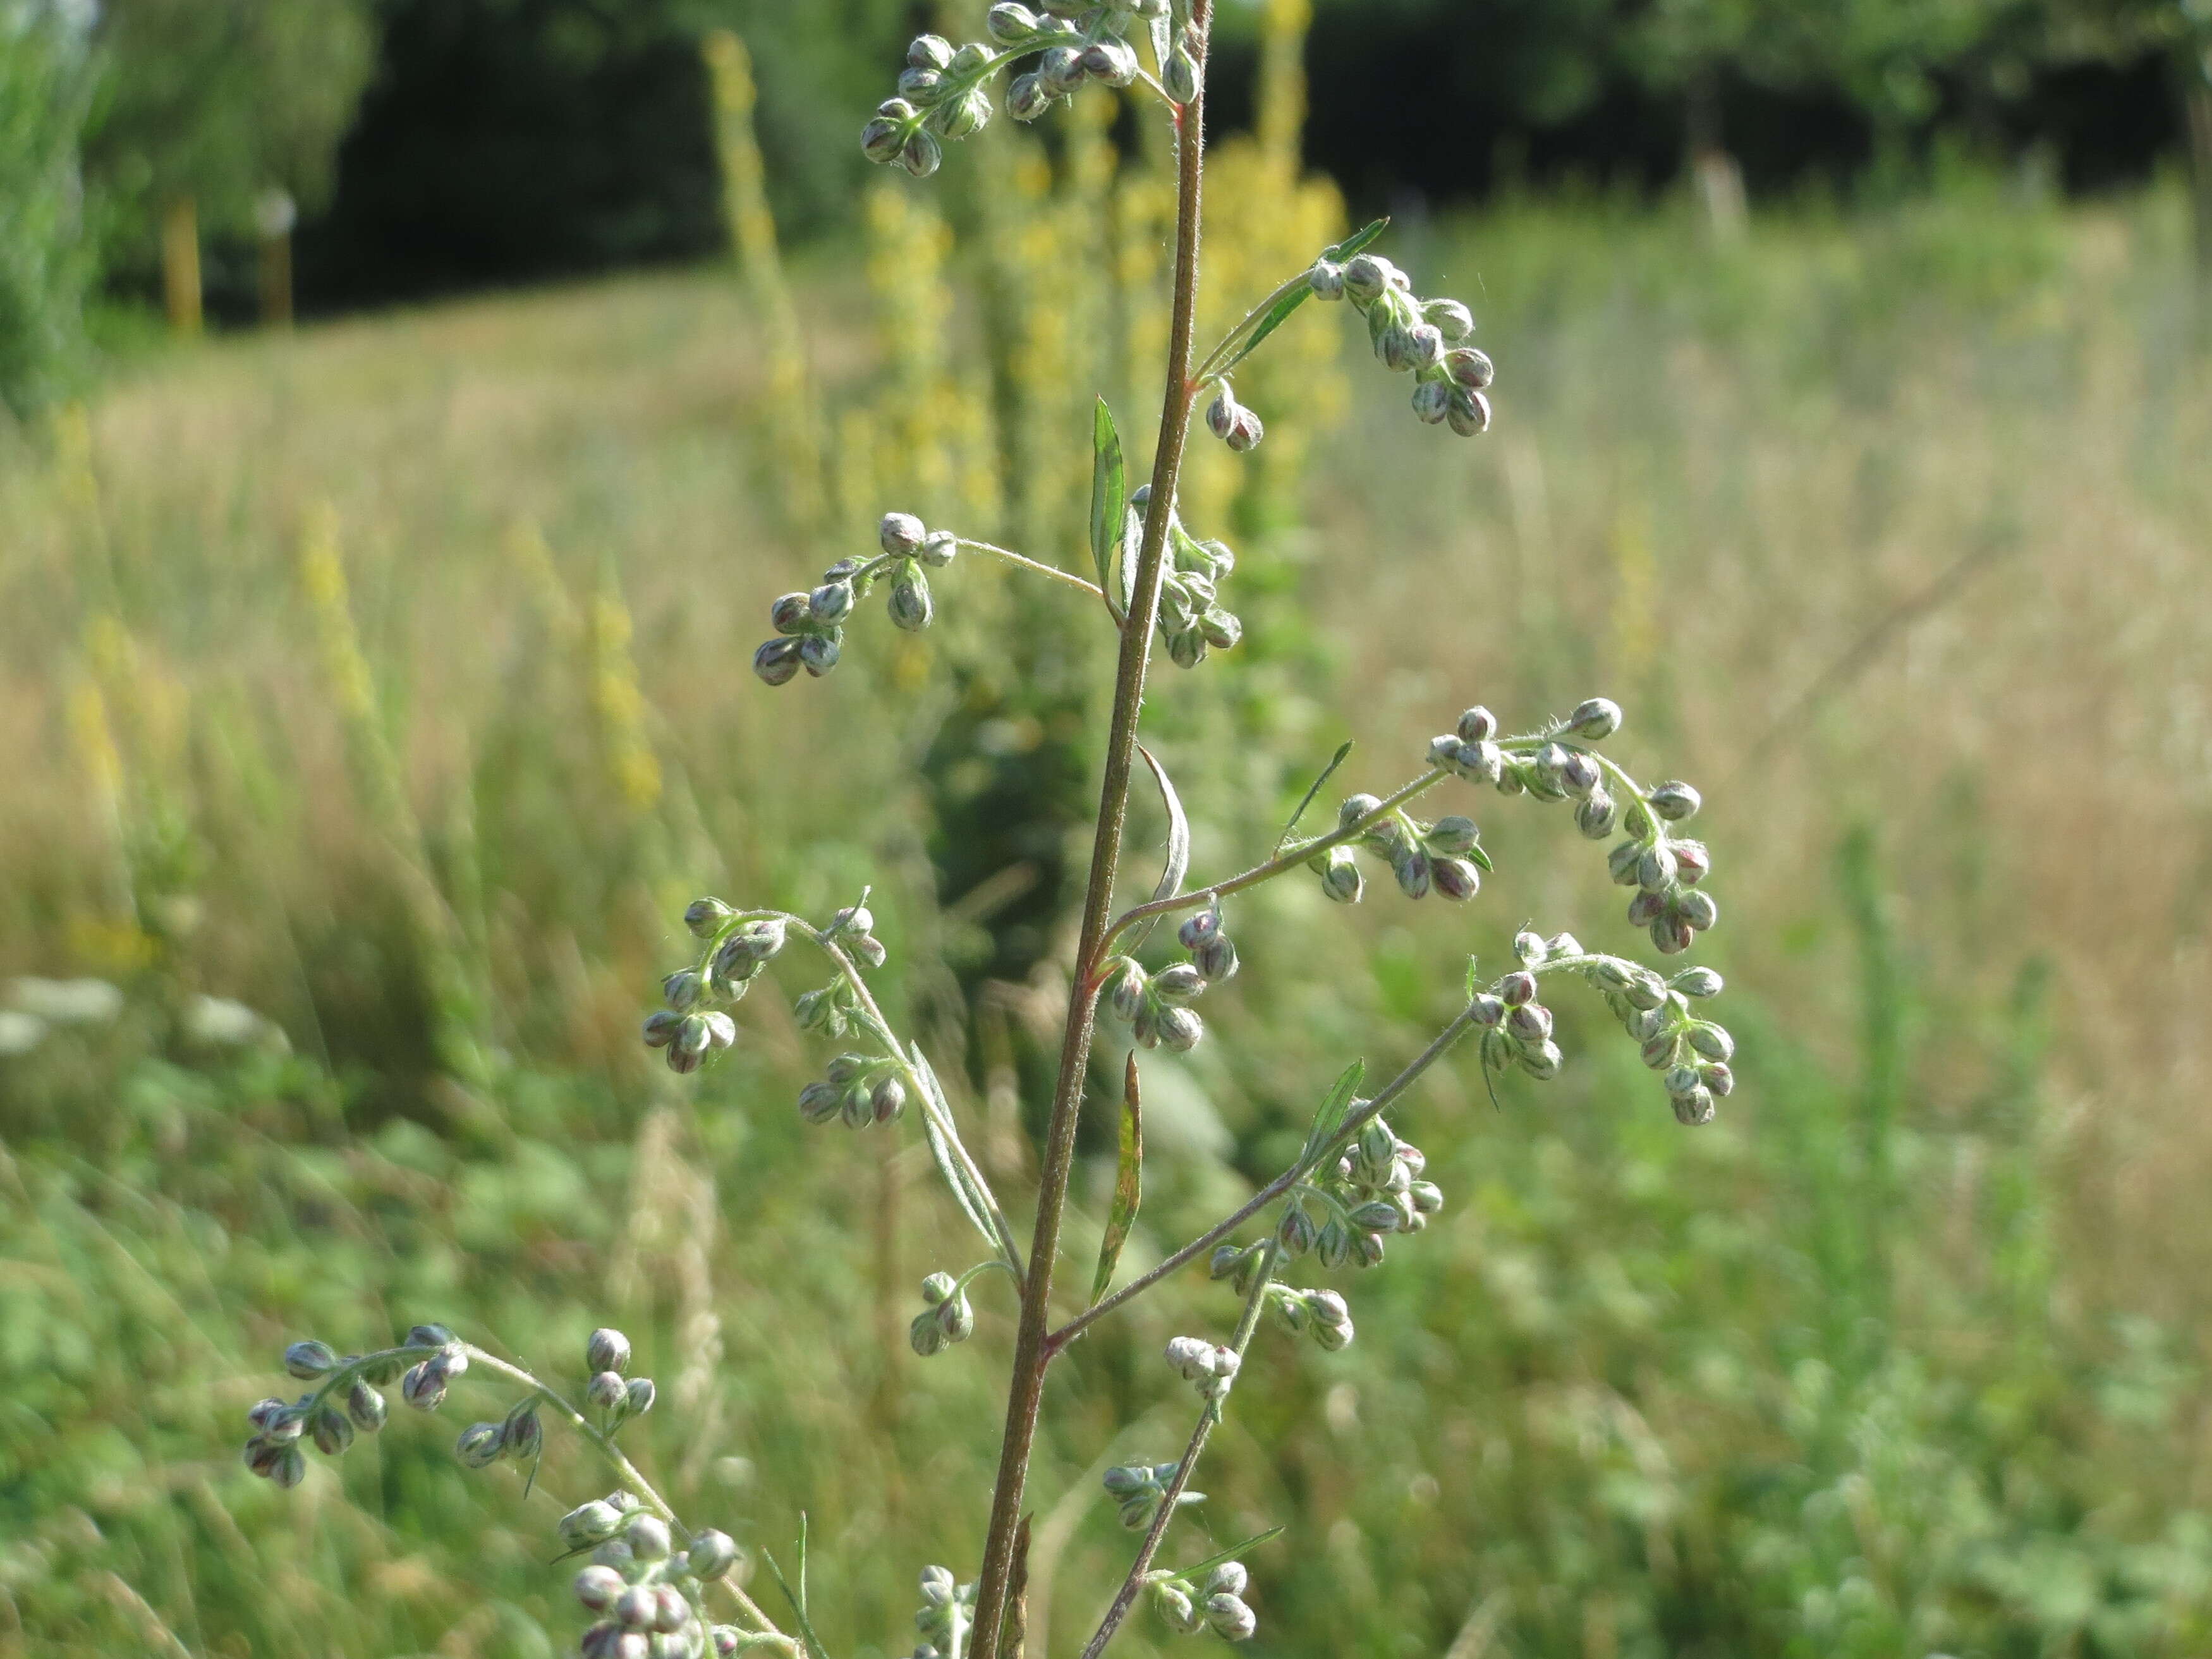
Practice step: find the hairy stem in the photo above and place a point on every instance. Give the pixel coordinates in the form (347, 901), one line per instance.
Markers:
(1125, 1597)
(1025, 1391)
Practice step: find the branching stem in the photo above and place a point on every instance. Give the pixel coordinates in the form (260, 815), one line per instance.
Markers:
(1025, 1393)
(1172, 1500)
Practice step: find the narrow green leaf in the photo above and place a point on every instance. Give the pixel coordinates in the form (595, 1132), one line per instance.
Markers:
(971, 1204)
(1125, 554)
(1109, 496)
(1331, 1111)
(1343, 750)
(798, 1597)
(1211, 1562)
(1178, 858)
(1480, 858)
(1128, 1185)
(1474, 977)
(1279, 312)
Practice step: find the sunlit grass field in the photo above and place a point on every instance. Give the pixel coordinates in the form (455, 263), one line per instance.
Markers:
(372, 699)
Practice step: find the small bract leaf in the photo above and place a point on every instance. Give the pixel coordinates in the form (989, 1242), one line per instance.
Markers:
(1178, 858)
(1279, 312)
(1128, 1183)
(1110, 497)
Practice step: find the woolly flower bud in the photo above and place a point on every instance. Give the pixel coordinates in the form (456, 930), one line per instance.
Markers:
(925, 1335)
(1692, 863)
(608, 1350)
(1172, 1602)
(777, 661)
(1696, 982)
(1469, 414)
(1676, 801)
(900, 534)
(589, 1523)
(1245, 432)
(366, 1407)
(647, 1537)
(638, 1398)
(1008, 23)
(1061, 71)
(921, 155)
(1180, 1029)
(1695, 1109)
(1230, 1618)
(1712, 1040)
(1452, 320)
(607, 1389)
(910, 607)
(1229, 1578)
(1444, 751)
(1179, 76)
(881, 138)
(1518, 989)
(1109, 61)
(832, 602)
(1595, 719)
(1367, 277)
(1216, 958)
(1455, 879)
(1654, 868)
(1579, 773)
(1487, 1010)
(1326, 280)
(480, 1445)
(1529, 949)
(597, 1588)
(1597, 814)
(1478, 724)
(929, 51)
(1542, 1061)
(1431, 402)
(1180, 983)
(1190, 1357)
(423, 1386)
(308, 1360)
(1340, 880)
(1221, 414)
(1698, 910)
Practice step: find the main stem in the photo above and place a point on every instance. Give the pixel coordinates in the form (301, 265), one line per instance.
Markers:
(1025, 1392)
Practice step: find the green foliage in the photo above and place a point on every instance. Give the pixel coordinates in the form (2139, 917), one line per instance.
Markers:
(218, 100)
(44, 261)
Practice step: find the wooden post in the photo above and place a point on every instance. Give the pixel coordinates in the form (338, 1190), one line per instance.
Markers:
(180, 263)
(274, 215)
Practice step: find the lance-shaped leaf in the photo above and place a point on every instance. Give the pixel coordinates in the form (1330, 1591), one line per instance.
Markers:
(1279, 312)
(1128, 1183)
(1327, 772)
(1332, 1105)
(1197, 1568)
(1110, 501)
(1178, 860)
(975, 1204)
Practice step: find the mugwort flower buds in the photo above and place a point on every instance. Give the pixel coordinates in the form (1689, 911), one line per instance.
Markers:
(608, 1350)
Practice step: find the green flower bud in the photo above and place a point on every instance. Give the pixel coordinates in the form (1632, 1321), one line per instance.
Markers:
(1597, 814)
(1469, 414)
(309, 1360)
(910, 608)
(1126, 991)
(1340, 880)
(1670, 935)
(1542, 1061)
(1230, 1618)
(480, 1445)
(713, 1553)
(921, 86)
(1180, 1029)
(1452, 320)
(1366, 278)
(1431, 402)
(921, 154)
(1179, 984)
(637, 1607)
(1676, 801)
(423, 1386)
(1692, 863)
(1711, 1040)
(1470, 370)
(1478, 724)
(777, 661)
(1654, 868)
(1696, 982)
(597, 1587)
(929, 51)
(638, 1400)
(1110, 63)
(1009, 23)
(647, 1536)
(925, 1335)
(1695, 1108)
(887, 1099)
(880, 139)
(366, 1407)
(589, 1523)
(1326, 280)
(1179, 77)
(1697, 909)
(1172, 1602)
(607, 1350)
(1529, 949)
(606, 1390)
(819, 1101)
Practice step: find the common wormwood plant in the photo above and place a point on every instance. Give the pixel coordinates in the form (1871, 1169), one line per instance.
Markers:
(650, 1586)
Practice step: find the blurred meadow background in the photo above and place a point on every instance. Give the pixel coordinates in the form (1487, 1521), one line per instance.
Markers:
(374, 692)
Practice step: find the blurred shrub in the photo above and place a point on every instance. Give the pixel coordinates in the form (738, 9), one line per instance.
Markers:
(44, 263)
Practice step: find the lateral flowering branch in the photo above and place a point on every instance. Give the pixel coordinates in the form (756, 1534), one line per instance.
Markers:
(1358, 1182)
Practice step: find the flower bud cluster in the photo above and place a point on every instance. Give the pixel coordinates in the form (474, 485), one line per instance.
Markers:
(947, 1319)
(693, 1024)
(1516, 1028)
(647, 1594)
(348, 1401)
(1139, 1489)
(1215, 1602)
(1207, 1367)
(1374, 1189)
(1445, 857)
(1324, 1313)
(810, 626)
(606, 1359)
(1193, 619)
(946, 1615)
(1156, 1006)
(1689, 1053)
(1230, 421)
(1665, 871)
(856, 1090)
(1423, 337)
